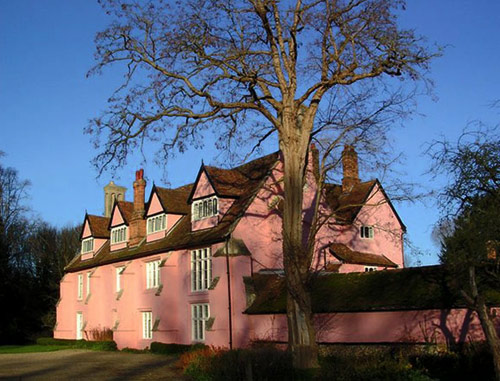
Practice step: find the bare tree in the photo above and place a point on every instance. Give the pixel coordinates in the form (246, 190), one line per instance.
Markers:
(470, 228)
(221, 64)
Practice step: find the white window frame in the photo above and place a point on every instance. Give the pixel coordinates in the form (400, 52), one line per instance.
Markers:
(366, 232)
(79, 326)
(147, 325)
(80, 287)
(153, 274)
(119, 234)
(156, 223)
(119, 271)
(89, 274)
(204, 208)
(201, 269)
(88, 245)
(200, 313)
(370, 269)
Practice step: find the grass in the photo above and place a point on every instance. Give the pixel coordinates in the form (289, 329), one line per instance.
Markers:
(6, 349)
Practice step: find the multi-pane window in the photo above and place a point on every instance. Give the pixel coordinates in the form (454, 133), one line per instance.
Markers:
(201, 269)
(88, 282)
(147, 325)
(207, 207)
(200, 313)
(366, 232)
(87, 245)
(119, 234)
(153, 274)
(80, 286)
(370, 269)
(119, 271)
(157, 223)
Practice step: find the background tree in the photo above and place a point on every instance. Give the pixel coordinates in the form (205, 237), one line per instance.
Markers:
(32, 258)
(470, 229)
(250, 70)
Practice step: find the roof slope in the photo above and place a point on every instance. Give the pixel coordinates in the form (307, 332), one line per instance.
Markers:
(391, 290)
(98, 226)
(174, 200)
(181, 236)
(347, 205)
(346, 255)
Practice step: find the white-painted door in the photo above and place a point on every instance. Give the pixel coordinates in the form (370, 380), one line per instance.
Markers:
(79, 325)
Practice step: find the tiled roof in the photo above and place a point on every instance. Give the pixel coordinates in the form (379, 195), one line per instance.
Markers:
(174, 200)
(126, 210)
(414, 288)
(98, 226)
(346, 255)
(181, 236)
(346, 206)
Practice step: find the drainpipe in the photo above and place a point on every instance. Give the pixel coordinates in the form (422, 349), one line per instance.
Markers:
(229, 307)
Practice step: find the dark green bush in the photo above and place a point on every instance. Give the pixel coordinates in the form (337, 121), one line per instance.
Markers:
(168, 349)
(52, 341)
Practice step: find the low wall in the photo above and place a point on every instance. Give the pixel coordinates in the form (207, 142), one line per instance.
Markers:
(426, 326)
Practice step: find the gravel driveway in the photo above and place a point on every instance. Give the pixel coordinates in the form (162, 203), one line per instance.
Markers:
(77, 364)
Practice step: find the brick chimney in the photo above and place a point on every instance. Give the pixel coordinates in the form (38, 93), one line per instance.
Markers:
(350, 168)
(137, 222)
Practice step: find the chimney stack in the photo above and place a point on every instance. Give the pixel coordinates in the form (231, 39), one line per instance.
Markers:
(137, 222)
(350, 168)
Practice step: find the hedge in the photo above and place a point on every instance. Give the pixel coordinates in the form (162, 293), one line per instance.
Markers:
(173, 349)
(80, 344)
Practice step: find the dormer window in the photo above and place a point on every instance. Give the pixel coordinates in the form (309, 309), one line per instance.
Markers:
(157, 223)
(118, 234)
(87, 245)
(204, 208)
(366, 232)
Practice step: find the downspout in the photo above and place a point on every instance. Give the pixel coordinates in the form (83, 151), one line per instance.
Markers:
(229, 307)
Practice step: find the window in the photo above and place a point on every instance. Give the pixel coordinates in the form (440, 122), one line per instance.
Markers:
(153, 274)
(200, 313)
(370, 269)
(119, 271)
(157, 223)
(207, 207)
(87, 245)
(80, 286)
(79, 326)
(147, 325)
(201, 269)
(119, 234)
(366, 232)
(88, 283)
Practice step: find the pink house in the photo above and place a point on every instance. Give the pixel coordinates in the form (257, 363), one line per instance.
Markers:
(203, 263)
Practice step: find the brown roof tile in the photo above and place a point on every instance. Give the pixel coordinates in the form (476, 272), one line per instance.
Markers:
(175, 200)
(346, 255)
(126, 209)
(98, 226)
(346, 206)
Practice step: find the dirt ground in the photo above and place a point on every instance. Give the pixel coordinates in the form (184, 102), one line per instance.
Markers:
(77, 364)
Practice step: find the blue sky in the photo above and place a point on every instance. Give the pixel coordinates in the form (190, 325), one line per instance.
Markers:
(45, 101)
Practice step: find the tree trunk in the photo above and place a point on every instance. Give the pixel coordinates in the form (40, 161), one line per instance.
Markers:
(301, 333)
(491, 336)
(486, 322)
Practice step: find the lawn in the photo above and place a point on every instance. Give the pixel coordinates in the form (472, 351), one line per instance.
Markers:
(4, 349)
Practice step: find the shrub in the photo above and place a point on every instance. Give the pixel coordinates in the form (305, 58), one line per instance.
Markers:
(52, 341)
(99, 334)
(173, 349)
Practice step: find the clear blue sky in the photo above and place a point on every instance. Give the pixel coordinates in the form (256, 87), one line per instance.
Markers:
(46, 48)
